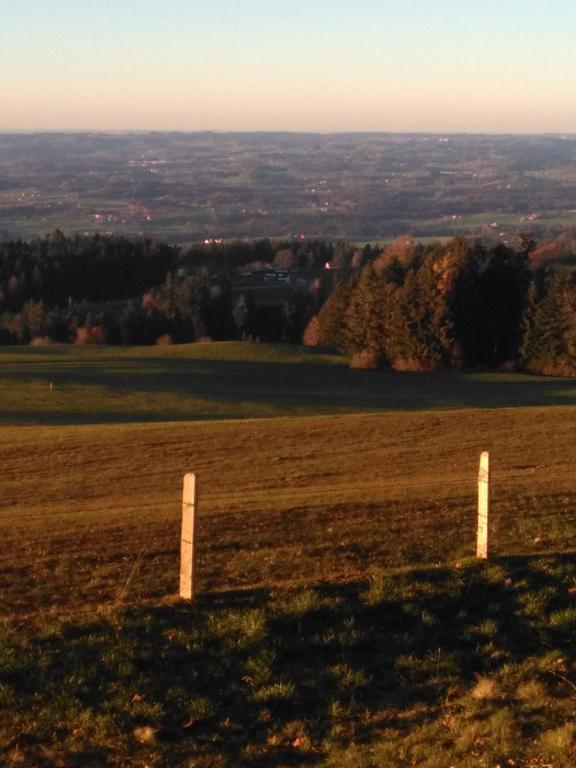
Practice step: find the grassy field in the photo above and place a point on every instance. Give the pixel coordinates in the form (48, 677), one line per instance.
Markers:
(342, 619)
(235, 381)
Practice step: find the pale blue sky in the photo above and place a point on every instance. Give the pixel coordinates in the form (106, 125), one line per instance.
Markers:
(412, 65)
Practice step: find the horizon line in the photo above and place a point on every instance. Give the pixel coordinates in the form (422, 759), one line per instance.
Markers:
(283, 131)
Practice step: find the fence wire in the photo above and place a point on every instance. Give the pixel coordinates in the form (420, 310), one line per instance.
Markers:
(562, 474)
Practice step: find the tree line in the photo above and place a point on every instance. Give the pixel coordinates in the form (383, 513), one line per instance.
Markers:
(464, 303)
(405, 306)
(108, 289)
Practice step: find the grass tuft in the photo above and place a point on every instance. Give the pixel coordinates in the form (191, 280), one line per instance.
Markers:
(558, 742)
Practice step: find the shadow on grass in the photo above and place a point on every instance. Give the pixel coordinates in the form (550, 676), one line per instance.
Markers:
(284, 388)
(254, 678)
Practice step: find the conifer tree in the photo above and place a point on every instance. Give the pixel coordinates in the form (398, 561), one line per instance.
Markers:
(365, 315)
(549, 343)
(422, 328)
(331, 317)
(243, 315)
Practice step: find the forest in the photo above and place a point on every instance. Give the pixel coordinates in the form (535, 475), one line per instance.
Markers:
(405, 306)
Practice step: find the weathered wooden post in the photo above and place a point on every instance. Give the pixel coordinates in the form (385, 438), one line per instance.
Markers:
(482, 543)
(188, 540)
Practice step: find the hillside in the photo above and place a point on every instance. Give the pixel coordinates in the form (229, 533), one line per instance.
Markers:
(341, 618)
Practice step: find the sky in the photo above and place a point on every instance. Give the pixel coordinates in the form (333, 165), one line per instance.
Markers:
(476, 66)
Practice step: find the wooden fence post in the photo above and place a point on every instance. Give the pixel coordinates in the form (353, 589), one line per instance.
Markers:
(482, 540)
(188, 540)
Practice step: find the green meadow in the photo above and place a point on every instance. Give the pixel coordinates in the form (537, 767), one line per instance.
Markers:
(232, 380)
(341, 619)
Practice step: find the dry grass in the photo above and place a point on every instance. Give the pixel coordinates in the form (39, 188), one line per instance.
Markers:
(290, 501)
(341, 622)
(486, 690)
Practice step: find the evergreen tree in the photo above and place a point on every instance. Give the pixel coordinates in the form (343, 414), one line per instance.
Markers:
(57, 327)
(422, 336)
(243, 315)
(296, 314)
(332, 315)
(220, 322)
(365, 319)
(488, 302)
(549, 343)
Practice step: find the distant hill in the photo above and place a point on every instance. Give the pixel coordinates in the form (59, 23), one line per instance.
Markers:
(188, 187)
(561, 249)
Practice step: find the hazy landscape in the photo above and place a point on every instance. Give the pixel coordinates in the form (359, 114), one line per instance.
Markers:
(341, 618)
(194, 186)
(321, 256)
